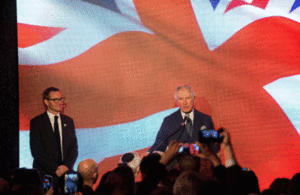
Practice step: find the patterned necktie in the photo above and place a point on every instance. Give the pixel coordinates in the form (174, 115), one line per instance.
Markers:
(189, 126)
(57, 139)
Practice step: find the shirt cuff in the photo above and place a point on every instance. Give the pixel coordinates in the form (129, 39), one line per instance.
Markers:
(230, 162)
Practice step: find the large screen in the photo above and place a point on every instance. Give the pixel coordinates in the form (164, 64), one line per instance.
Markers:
(118, 63)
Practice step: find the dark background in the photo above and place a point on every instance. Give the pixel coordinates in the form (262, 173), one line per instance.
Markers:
(9, 101)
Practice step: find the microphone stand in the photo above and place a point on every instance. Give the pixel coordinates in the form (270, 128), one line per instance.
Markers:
(180, 128)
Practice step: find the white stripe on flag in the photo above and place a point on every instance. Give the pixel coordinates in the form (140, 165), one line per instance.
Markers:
(86, 25)
(217, 26)
(286, 92)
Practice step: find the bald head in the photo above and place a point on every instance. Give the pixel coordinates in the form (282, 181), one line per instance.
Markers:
(88, 169)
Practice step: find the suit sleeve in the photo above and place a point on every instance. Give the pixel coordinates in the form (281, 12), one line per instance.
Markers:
(38, 148)
(210, 123)
(71, 153)
(160, 143)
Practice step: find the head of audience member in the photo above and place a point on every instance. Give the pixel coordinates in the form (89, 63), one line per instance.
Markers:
(149, 163)
(5, 173)
(132, 160)
(267, 192)
(188, 162)
(251, 184)
(104, 177)
(24, 176)
(123, 177)
(103, 189)
(294, 186)
(88, 171)
(152, 172)
(185, 98)
(4, 186)
(29, 189)
(280, 185)
(121, 190)
(53, 100)
(170, 178)
(188, 183)
(211, 187)
(162, 191)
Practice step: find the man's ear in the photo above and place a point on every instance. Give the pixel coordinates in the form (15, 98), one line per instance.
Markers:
(137, 172)
(95, 176)
(46, 102)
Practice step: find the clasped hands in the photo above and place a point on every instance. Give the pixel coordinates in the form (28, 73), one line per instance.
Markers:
(62, 169)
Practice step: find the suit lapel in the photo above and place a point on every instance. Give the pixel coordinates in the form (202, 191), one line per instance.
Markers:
(196, 120)
(179, 116)
(198, 123)
(178, 120)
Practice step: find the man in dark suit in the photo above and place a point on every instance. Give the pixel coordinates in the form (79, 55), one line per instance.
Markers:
(184, 124)
(53, 141)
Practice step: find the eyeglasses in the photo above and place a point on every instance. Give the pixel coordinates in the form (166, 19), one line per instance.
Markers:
(56, 100)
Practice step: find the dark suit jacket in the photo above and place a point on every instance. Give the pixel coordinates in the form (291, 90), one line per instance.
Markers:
(43, 145)
(173, 122)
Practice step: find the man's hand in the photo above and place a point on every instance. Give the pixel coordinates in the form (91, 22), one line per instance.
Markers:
(50, 191)
(228, 150)
(208, 153)
(226, 138)
(170, 153)
(62, 169)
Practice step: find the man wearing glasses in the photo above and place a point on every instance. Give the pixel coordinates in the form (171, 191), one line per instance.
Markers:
(53, 141)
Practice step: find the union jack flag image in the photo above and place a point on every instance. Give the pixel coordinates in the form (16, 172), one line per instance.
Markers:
(118, 63)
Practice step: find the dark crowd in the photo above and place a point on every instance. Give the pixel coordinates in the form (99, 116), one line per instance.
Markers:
(173, 172)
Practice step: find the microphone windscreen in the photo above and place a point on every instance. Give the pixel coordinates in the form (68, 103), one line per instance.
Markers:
(131, 159)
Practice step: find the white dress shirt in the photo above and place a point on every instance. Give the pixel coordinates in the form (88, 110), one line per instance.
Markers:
(191, 115)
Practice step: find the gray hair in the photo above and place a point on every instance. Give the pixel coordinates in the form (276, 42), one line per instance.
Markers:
(187, 183)
(184, 87)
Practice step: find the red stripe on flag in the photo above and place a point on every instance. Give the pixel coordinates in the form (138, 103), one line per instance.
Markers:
(29, 35)
(258, 3)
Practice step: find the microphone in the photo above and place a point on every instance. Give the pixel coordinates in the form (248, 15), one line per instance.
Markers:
(180, 128)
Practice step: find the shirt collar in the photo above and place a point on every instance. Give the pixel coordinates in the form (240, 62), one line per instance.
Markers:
(52, 115)
(191, 114)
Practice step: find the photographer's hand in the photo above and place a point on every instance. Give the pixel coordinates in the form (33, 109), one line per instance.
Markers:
(50, 191)
(226, 138)
(208, 153)
(228, 151)
(170, 153)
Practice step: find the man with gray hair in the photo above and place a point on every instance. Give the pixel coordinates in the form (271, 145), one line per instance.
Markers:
(184, 124)
(188, 183)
